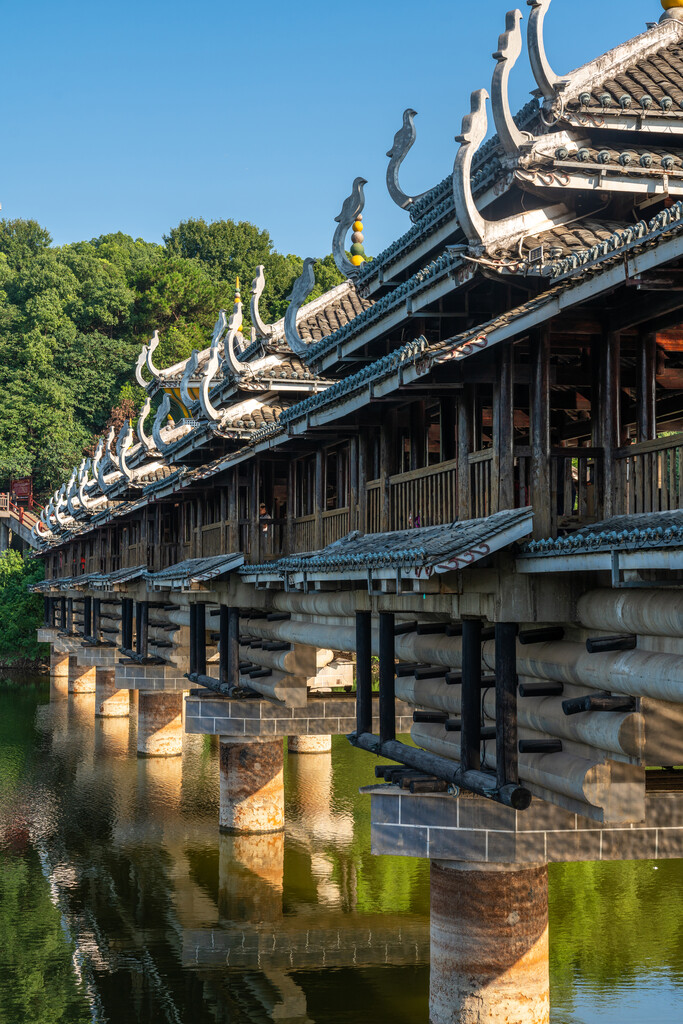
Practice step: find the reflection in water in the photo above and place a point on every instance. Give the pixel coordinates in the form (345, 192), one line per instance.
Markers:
(121, 902)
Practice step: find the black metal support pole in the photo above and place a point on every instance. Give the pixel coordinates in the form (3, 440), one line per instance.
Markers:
(193, 639)
(387, 678)
(507, 770)
(142, 629)
(470, 746)
(230, 646)
(46, 612)
(200, 622)
(69, 614)
(127, 624)
(363, 672)
(96, 618)
(87, 616)
(62, 608)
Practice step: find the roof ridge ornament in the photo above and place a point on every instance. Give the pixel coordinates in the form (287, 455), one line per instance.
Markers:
(546, 79)
(153, 345)
(142, 359)
(210, 372)
(351, 209)
(145, 440)
(190, 370)
(508, 53)
(301, 289)
(219, 328)
(404, 140)
(473, 133)
(71, 492)
(123, 445)
(230, 358)
(257, 286)
(159, 421)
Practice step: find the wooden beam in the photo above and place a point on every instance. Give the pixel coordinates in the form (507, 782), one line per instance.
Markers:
(502, 470)
(540, 434)
(465, 410)
(609, 414)
(646, 387)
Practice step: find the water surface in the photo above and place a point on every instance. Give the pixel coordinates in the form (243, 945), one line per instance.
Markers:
(120, 902)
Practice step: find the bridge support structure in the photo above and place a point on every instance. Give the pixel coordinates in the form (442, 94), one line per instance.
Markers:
(110, 702)
(160, 723)
(252, 795)
(82, 678)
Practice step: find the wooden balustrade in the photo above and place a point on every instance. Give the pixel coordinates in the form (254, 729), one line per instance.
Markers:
(212, 540)
(481, 495)
(649, 476)
(425, 497)
(304, 533)
(373, 523)
(335, 525)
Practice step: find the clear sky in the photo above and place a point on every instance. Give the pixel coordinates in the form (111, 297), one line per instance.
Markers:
(136, 114)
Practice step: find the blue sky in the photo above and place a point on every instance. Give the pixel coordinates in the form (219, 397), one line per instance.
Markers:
(133, 116)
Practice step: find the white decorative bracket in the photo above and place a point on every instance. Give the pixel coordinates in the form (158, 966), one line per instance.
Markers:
(153, 345)
(219, 329)
(145, 440)
(303, 286)
(209, 373)
(159, 421)
(123, 446)
(350, 211)
(231, 361)
(190, 370)
(474, 127)
(142, 360)
(257, 286)
(63, 521)
(404, 139)
(71, 489)
(546, 79)
(84, 480)
(508, 53)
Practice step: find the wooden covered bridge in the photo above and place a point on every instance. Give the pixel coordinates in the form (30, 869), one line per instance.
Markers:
(465, 461)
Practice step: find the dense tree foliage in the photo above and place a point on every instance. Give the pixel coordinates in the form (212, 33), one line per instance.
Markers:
(73, 318)
(21, 613)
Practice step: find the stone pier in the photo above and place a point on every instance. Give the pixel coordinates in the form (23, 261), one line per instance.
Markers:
(489, 943)
(82, 678)
(160, 723)
(309, 744)
(252, 797)
(59, 673)
(110, 702)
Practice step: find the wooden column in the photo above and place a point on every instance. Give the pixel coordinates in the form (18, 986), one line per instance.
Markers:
(319, 497)
(610, 416)
(541, 496)
(362, 481)
(233, 524)
(646, 387)
(254, 524)
(417, 435)
(386, 463)
(448, 429)
(353, 484)
(502, 470)
(291, 501)
(465, 406)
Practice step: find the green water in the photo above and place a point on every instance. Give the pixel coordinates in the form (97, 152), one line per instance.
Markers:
(121, 903)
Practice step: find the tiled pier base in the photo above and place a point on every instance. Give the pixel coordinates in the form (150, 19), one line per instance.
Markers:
(101, 657)
(329, 715)
(109, 701)
(160, 724)
(131, 676)
(309, 744)
(252, 796)
(474, 829)
(81, 677)
(489, 944)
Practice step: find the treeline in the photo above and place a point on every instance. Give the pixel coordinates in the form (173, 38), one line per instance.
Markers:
(73, 319)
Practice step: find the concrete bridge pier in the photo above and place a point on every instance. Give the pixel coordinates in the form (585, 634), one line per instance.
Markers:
(82, 678)
(252, 796)
(59, 673)
(110, 701)
(160, 723)
(489, 943)
(309, 744)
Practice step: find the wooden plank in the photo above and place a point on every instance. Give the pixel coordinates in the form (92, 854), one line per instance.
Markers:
(464, 449)
(502, 468)
(540, 433)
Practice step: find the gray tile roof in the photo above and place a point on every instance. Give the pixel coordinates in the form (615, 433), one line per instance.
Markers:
(653, 83)
(194, 570)
(620, 533)
(429, 549)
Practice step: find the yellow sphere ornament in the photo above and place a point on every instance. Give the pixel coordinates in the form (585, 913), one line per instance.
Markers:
(669, 4)
(357, 260)
(358, 225)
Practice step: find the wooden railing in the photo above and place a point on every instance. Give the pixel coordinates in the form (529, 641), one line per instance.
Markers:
(212, 540)
(304, 533)
(373, 514)
(335, 525)
(424, 497)
(649, 476)
(481, 497)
